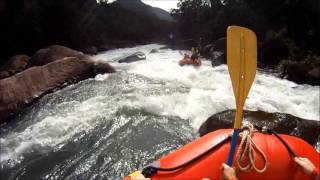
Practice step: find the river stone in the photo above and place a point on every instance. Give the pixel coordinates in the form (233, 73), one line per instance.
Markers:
(154, 51)
(15, 65)
(138, 56)
(53, 53)
(279, 122)
(18, 91)
(313, 76)
(91, 50)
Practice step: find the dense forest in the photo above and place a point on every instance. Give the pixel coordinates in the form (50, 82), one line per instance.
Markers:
(28, 25)
(288, 30)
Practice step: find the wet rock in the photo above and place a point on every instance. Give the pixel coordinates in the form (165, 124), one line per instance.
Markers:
(220, 45)
(206, 50)
(52, 53)
(218, 58)
(102, 68)
(215, 52)
(154, 51)
(18, 91)
(138, 56)
(105, 47)
(4, 74)
(16, 64)
(92, 50)
(271, 52)
(313, 76)
(279, 122)
(164, 47)
(296, 71)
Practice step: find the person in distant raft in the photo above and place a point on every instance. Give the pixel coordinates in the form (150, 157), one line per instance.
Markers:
(195, 54)
(307, 166)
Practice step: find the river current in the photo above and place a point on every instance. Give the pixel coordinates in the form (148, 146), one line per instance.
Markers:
(110, 125)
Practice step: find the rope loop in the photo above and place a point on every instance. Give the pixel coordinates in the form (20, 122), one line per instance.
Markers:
(246, 156)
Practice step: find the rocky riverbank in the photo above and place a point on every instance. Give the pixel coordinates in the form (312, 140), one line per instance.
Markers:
(24, 80)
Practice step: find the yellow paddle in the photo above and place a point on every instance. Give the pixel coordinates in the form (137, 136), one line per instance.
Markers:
(242, 65)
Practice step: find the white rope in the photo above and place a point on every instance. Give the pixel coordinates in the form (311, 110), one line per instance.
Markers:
(246, 151)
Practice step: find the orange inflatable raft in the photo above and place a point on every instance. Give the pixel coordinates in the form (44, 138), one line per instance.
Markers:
(188, 61)
(280, 164)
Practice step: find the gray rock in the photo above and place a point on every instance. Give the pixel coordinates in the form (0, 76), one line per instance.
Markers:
(15, 65)
(279, 122)
(154, 51)
(138, 56)
(92, 50)
(18, 91)
(53, 53)
(313, 76)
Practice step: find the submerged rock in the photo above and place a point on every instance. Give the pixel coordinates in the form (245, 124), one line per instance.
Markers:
(154, 51)
(279, 122)
(138, 56)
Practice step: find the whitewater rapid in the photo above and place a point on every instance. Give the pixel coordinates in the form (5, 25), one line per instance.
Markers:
(155, 96)
(210, 91)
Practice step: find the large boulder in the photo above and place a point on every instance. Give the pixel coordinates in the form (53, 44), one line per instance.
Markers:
(218, 52)
(154, 51)
(313, 76)
(220, 45)
(92, 50)
(138, 56)
(279, 122)
(18, 91)
(296, 72)
(215, 52)
(52, 53)
(106, 47)
(102, 68)
(271, 52)
(16, 64)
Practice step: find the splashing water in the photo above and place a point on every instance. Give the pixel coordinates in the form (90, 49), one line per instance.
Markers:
(108, 126)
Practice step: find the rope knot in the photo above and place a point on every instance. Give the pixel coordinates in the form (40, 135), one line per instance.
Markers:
(246, 156)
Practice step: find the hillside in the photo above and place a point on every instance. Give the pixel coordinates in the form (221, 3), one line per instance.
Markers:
(141, 8)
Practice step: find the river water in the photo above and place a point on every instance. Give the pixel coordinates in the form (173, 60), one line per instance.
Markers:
(110, 125)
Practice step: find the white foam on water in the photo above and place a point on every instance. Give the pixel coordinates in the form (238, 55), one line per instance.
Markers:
(53, 130)
(208, 91)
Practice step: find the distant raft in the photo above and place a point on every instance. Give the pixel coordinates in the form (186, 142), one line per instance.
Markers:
(188, 61)
(203, 157)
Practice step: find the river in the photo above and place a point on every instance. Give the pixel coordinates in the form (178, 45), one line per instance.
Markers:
(110, 125)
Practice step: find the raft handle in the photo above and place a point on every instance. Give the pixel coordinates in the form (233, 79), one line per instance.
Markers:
(269, 131)
(151, 169)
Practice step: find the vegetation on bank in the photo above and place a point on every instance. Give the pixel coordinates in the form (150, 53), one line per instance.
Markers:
(286, 29)
(30, 25)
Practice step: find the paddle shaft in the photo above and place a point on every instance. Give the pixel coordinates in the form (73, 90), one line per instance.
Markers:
(240, 100)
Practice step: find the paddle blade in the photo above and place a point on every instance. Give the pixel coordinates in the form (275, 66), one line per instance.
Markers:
(242, 64)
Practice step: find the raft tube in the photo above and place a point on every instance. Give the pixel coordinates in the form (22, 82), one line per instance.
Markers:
(188, 61)
(281, 165)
